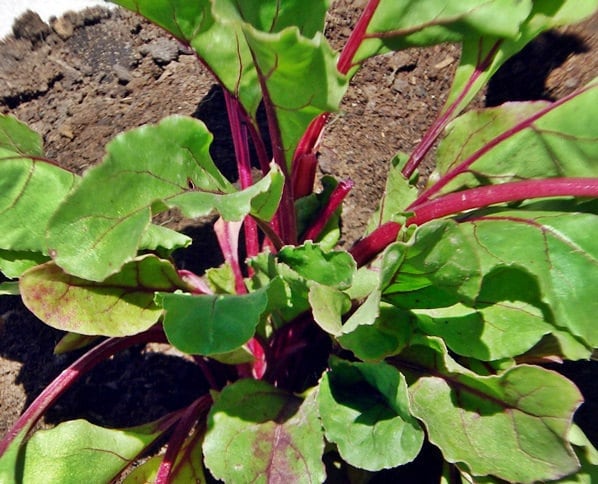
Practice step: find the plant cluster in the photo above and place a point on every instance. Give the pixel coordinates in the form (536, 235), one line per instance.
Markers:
(434, 326)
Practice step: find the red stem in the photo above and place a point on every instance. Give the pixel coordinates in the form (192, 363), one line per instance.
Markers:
(227, 234)
(304, 174)
(479, 197)
(464, 166)
(345, 61)
(454, 203)
(336, 198)
(424, 146)
(70, 375)
(182, 430)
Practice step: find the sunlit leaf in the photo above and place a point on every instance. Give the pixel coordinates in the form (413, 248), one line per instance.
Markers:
(335, 268)
(557, 138)
(257, 50)
(328, 306)
(257, 432)
(77, 451)
(121, 305)
(106, 220)
(513, 425)
(407, 23)
(389, 333)
(482, 55)
(31, 189)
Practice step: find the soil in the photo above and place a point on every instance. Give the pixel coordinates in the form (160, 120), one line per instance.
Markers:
(88, 76)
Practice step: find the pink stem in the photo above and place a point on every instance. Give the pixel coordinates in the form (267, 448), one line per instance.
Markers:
(345, 61)
(304, 169)
(227, 234)
(479, 197)
(70, 375)
(241, 145)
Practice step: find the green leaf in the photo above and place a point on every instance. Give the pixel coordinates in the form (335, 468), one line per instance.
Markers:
(77, 451)
(257, 49)
(30, 192)
(438, 256)
(106, 219)
(9, 288)
(287, 290)
(558, 249)
(187, 468)
(398, 195)
(121, 305)
(365, 411)
(280, 61)
(307, 209)
(258, 433)
(211, 324)
(528, 407)
(18, 140)
(557, 138)
(14, 262)
(588, 457)
(507, 319)
(335, 268)
(328, 306)
(389, 334)
(400, 24)
(482, 55)
(157, 237)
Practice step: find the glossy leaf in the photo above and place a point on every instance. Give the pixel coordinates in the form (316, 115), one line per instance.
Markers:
(146, 171)
(530, 408)
(121, 305)
(507, 319)
(258, 433)
(14, 262)
(18, 140)
(282, 59)
(211, 324)
(188, 467)
(77, 451)
(365, 411)
(438, 255)
(484, 147)
(406, 23)
(399, 193)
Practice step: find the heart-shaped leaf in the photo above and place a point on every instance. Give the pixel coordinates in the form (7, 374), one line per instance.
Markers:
(211, 324)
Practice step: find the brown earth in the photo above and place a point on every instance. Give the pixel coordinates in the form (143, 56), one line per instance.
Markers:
(91, 75)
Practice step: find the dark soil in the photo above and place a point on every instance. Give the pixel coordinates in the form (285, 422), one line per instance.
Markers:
(91, 75)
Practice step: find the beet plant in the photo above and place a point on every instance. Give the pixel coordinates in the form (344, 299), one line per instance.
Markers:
(435, 326)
